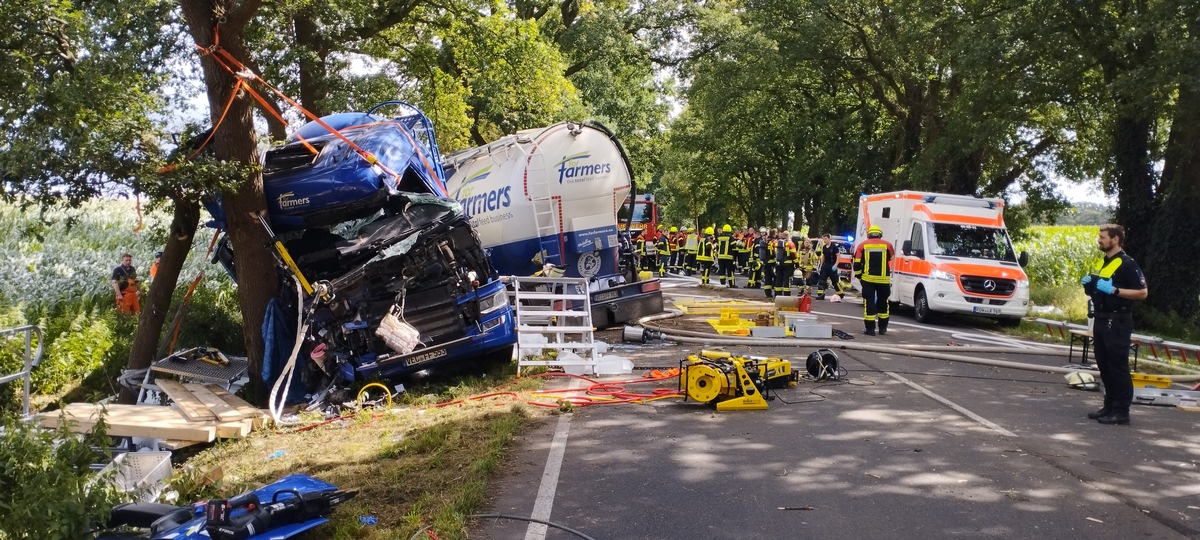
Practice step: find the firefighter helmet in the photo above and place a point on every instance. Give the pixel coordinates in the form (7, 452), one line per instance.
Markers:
(874, 232)
(708, 230)
(676, 229)
(726, 228)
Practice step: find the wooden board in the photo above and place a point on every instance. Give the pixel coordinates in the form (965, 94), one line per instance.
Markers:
(224, 411)
(191, 407)
(257, 415)
(234, 430)
(133, 421)
(175, 444)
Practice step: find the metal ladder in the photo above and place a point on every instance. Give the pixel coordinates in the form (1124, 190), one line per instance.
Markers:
(545, 211)
(29, 334)
(559, 309)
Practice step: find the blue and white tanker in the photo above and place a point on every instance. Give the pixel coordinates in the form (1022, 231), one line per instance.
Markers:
(551, 195)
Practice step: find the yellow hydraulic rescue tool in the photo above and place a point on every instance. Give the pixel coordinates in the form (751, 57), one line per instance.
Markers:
(733, 383)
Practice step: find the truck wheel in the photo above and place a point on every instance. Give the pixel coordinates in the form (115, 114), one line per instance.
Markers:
(921, 311)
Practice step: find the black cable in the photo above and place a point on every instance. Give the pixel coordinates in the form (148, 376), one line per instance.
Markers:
(547, 523)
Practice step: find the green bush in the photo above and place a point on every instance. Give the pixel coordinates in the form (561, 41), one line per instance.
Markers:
(50, 491)
(1059, 255)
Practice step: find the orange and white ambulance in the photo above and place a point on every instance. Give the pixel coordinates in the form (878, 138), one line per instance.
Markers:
(953, 254)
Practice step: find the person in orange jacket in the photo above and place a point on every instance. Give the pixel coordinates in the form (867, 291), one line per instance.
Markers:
(125, 286)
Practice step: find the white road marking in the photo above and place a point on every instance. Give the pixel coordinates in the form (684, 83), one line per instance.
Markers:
(544, 503)
(961, 410)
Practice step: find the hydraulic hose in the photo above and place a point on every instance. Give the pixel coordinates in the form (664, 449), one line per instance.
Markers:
(925, 351)
(276, 409)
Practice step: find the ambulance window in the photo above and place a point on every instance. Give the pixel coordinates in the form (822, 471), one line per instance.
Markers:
(918, 242)
(887, 212)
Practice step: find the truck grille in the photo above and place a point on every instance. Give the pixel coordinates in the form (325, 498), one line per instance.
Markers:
(986, 285)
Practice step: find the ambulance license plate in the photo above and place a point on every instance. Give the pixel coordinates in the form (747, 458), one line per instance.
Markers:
(986, 310)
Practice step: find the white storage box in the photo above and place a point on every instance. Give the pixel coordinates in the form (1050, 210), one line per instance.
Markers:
(767, 331)
(812, 330)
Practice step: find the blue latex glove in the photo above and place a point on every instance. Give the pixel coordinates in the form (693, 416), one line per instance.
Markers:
(1086, 279)
(1105, 286)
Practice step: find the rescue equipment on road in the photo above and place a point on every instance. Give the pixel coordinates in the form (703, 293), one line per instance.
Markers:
(733, 383)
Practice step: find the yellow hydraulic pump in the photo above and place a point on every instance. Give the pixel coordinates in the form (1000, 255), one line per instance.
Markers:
(733, 383)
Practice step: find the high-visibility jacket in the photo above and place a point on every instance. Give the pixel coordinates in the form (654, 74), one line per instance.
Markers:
(743, 245)
(808, 259)
(724, 246)
(675, 242)
(873, 260)
(662, 245)
(790, 253)
(704, 251)
(696, 244)
(766, 250)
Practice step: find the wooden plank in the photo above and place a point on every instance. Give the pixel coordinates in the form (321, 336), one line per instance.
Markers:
(238, 403)
(234, 430)
(192, 408)
(224, 411)
(133, 421)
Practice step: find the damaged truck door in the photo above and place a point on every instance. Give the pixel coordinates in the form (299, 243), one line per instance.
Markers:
(391, 253)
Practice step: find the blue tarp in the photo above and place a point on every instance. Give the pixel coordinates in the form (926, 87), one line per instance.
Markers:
(278, 340)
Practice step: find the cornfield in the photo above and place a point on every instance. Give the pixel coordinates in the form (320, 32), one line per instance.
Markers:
(1059, 255)
(71, 258)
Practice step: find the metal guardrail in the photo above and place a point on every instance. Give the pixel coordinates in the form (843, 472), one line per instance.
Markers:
(31, 359)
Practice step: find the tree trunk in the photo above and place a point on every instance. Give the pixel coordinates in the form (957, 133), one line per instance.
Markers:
(154, 311)
(1134, 178)
(1174, 251)
(234, 141)
(312, 64)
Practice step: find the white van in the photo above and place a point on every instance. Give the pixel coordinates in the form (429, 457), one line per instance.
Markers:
(953, 254)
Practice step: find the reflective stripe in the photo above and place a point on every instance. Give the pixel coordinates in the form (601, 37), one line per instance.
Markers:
(1106, 271)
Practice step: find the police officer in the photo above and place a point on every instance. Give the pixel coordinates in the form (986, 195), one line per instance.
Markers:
(827, 269)
(725, 255)
(872, 267)
(704, 255)
(1113, 285)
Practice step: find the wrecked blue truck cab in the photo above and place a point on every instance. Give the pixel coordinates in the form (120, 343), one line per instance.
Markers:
(384, 239)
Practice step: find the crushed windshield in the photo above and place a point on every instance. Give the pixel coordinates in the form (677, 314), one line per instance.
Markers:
(953, 240)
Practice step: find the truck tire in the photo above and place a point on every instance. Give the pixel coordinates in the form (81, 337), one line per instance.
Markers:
(921, 311)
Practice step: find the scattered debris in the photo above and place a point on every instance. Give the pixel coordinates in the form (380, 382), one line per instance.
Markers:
(1094, 519)
(367, 520)
(276, 454)
(797, 508)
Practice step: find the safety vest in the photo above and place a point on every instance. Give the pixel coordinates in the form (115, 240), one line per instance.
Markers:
(789, 251)
(766, 250)
(693, 243)
(674, 243)
(808, 259)
(705, 250)
(1105, 303)
(872, 260)
(724, 246)
(663, 245)
(647, 247)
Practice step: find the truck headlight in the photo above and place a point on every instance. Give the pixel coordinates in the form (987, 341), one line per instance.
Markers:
(1022, 283)
(941, 275)
(494, 302)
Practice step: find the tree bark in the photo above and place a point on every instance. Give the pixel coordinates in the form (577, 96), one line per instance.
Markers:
(234, 141)
(1174, 249)
(154, 311)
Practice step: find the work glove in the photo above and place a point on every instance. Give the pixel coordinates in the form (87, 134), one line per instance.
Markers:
(1106, 286)
(1086, 279)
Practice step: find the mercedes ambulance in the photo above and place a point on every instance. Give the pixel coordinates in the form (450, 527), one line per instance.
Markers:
(953, 254)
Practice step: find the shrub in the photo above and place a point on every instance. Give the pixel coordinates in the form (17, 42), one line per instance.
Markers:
(50, 491)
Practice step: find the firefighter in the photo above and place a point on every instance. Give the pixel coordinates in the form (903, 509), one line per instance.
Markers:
(663, 247)
(725, 255)
(827, 269)
(766, 252)
(754, 269)
(743, 247)
(648, 250)
(675, 248)
(807, 265)
(1114, 284)
(692, 245)
(785, 260)
(872, 262)
(639, 250)
(704, 254)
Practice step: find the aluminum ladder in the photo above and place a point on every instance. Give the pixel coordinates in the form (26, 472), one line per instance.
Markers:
(29, 334)
(559, 309)
(546, 210)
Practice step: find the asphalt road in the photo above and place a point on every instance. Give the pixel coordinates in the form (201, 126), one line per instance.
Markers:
(903, 447)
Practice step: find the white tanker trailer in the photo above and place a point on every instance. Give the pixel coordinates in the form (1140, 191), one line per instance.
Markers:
(550, 195)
